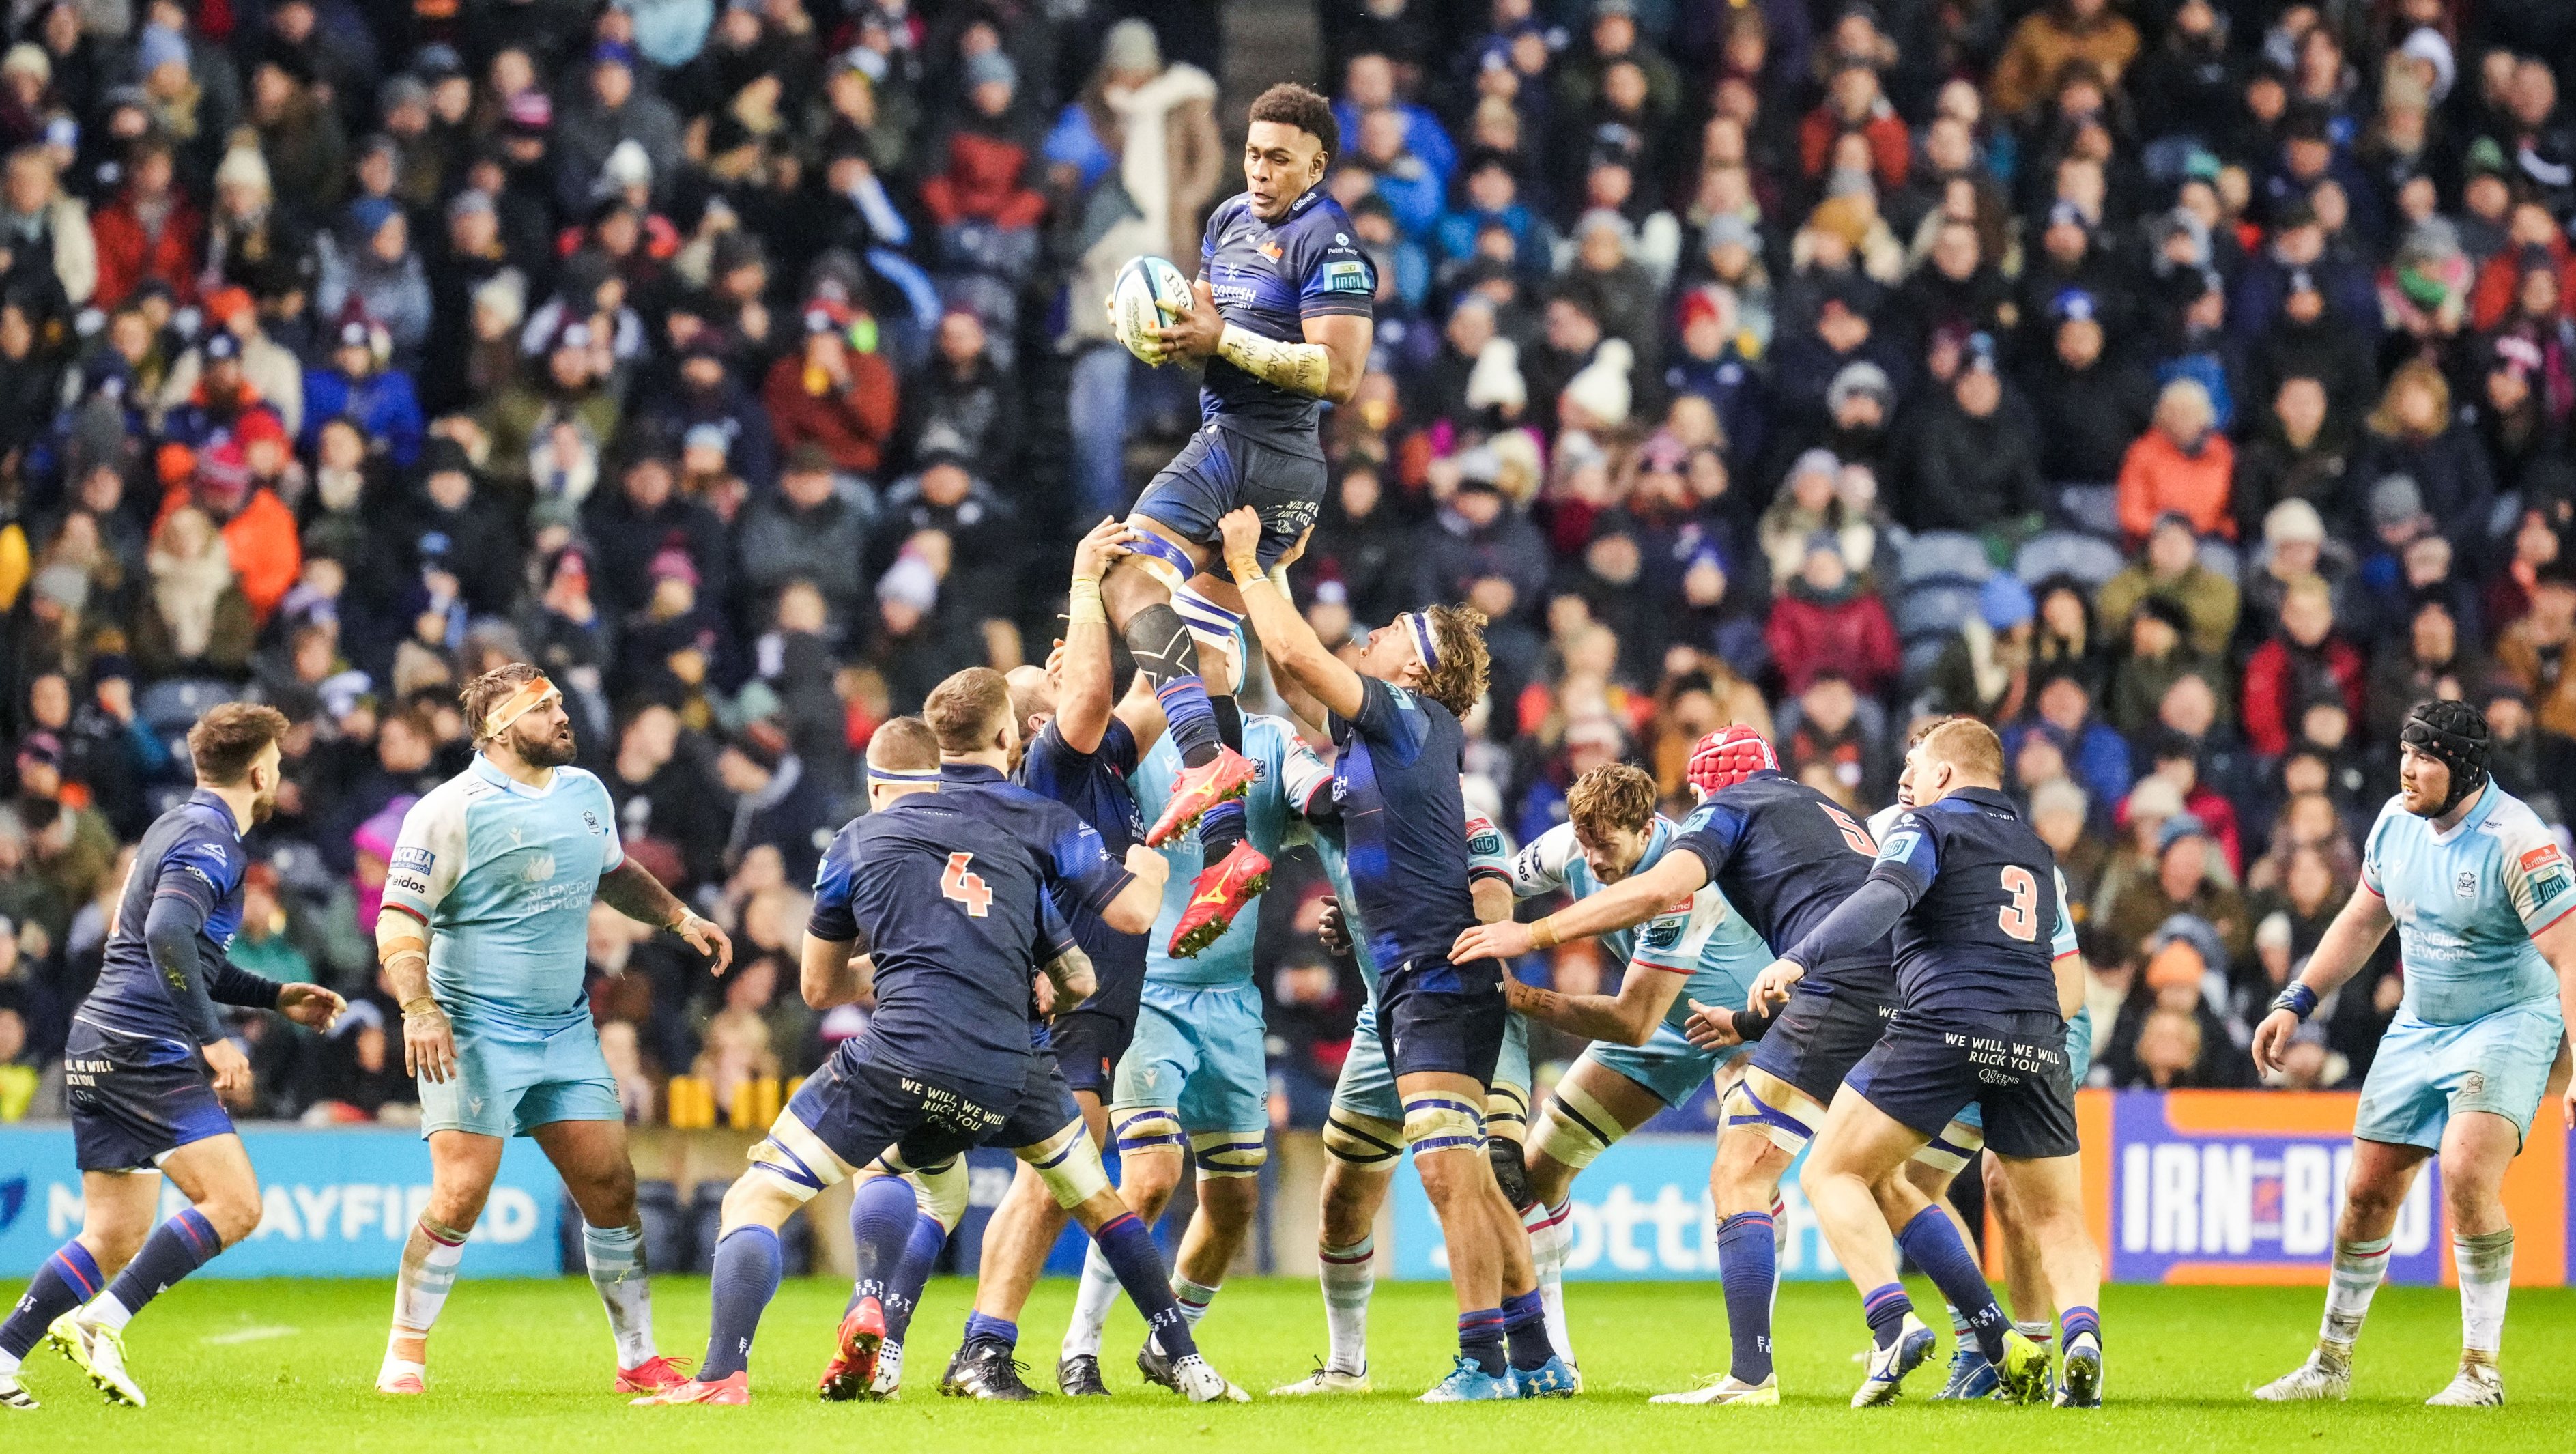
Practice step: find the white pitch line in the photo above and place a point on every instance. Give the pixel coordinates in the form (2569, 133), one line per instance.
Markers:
(254, 1334)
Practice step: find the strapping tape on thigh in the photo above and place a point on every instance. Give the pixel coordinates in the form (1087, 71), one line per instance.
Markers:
(1214, 627)
(1361, 1140)
(1746, 1108)
(1169, 563)
(1573, 1128)
(1148, 1129)
(1069, 1165)
(1950, 1150)
(1506, 1111)
(1229, 1153)
(1434, 1123)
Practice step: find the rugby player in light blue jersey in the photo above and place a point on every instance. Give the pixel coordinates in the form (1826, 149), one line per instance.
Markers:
(1640, 1062)
(1196, 1072)
(1364, 1128)
(2485, 908)
(484, 942)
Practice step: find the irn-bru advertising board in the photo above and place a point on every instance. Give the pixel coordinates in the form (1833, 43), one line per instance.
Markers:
(2244, 1187)
(2187, 1187)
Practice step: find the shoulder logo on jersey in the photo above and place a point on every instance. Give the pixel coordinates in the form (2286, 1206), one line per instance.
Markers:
(415, 858)
(1485, 842)
(2465, 884)
(1900, 846)
(1664, 933)
(1346, 278)
(590, 820)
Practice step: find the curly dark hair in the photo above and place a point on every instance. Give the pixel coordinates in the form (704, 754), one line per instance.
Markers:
(1294, 105)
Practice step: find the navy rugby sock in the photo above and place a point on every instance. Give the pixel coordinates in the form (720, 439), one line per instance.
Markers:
(913, 1273)
(1525, 1329)
(1748, 1265)
(746, 1278)
(68, 1279)
(1480, 1340)
(981, 1328)
(1131, 1253)
(882, 1213)
(1886, 1308)
(176, 1248)
(1933, 1241)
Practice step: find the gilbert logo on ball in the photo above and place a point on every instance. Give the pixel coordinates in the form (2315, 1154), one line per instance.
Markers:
(1148, 293)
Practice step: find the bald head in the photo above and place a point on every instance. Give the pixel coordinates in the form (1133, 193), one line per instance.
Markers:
(1032, 698)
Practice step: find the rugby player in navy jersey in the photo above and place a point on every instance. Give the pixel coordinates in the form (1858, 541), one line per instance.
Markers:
(1985, 986)
(148, 1062)
(1784, 855)
(1394, 718)
(1282, 321)
(952, 896)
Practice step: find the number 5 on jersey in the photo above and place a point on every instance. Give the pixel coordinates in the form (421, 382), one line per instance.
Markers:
(966, 888)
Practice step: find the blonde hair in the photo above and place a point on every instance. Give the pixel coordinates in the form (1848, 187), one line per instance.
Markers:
(1465, 665)
(1968, 745)
(961, 710)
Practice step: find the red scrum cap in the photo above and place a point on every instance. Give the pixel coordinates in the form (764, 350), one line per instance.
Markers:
(1728, 756)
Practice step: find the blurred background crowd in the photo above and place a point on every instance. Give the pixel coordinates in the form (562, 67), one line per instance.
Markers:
(2181, 385)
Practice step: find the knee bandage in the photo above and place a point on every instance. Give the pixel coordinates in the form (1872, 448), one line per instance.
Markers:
(1950, 1150)
(1069, 1165)
(1434, 1123)
(1229, 1153)
(1506, 1112)
(1146, 1129)
(1574, 1129)
(794, 1157)
(942, 1190)
(1776, 1108)
(1215, 629)
(1361, 1140)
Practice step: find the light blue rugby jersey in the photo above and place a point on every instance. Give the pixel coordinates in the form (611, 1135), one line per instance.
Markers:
(1702, 937)
(503, 875)
(1286, 777)
(1487, 856)
(2466, 904)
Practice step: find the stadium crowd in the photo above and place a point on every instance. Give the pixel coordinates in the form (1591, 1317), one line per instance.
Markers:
(2182, 387)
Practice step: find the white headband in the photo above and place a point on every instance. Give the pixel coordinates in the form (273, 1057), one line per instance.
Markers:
(1420, 626)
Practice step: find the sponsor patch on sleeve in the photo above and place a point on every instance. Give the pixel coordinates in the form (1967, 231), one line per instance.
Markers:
(418, 858)
(1346, 278)
(2540, 858)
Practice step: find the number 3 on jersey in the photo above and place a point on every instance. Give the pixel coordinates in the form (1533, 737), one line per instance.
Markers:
(2020, 918)
(969, 888)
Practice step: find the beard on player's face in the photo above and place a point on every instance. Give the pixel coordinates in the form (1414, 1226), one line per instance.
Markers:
(538, 746)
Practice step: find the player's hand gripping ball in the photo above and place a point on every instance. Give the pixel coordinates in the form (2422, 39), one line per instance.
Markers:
(1148, 293)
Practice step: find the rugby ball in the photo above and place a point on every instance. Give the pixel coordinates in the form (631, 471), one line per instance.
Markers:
(1148, 294)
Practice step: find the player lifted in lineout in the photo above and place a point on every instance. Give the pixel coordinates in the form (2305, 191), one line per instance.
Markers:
(1640, 1062)
(1394, 718)
(2485, 909)
(951, 895)
(1283, 323)
(484, 940)
(1987, 975)
(148, 1062)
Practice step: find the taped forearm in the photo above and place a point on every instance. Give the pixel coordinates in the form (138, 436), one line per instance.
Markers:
(1299, 367)
(402, 947)
(1862, 921)
(170, 936)
(1073, 978)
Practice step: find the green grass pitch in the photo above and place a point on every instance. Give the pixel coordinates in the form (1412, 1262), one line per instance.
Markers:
(524, 1367)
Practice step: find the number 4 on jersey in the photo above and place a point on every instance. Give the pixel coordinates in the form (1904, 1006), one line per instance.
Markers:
(966, 888)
